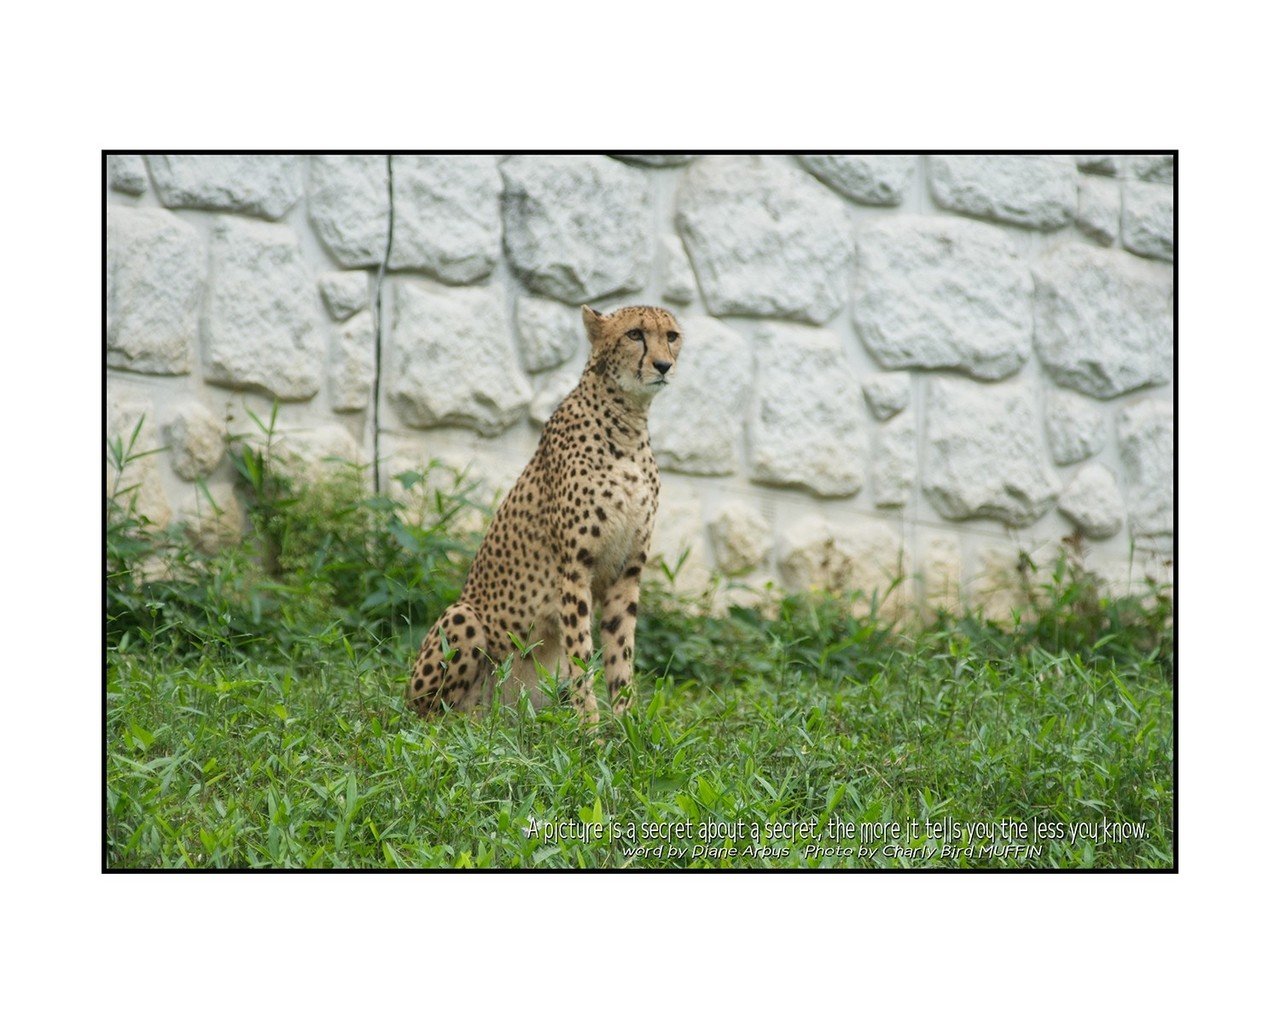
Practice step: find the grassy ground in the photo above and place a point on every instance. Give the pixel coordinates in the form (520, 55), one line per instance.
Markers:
(255, 718)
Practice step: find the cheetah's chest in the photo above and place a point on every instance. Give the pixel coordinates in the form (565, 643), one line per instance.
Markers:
(628, 501)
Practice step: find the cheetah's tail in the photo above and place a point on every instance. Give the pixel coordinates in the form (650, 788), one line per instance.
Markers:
(451, 669)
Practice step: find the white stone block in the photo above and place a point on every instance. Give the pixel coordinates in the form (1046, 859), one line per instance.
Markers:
(155, 276)
(138, 488)
(1104, 320)
(196, 440)
(983, 455)
(1075, 427)
(454, 361)
(351, 365)
(1098, 215)
(1092, 501)
(1152, 168)
(577, 228)
(739, 538)
(874, 180)
(310, 454)
(264, 186)
(866, 557)
(681, 286)
(551, 390)
(1033, 191)
(1147, 225)
(127, 173)
(447, 219)
(679, 541)
(804, 429)
(695, 424)
(550, 332)
(349, 206)
(345, 292)
(894, 463)
(1145, 431)
(765, 239)
(262, 323)
(937, 292)
(887, 394)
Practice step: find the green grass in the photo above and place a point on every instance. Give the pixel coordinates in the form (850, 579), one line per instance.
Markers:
(255, 718)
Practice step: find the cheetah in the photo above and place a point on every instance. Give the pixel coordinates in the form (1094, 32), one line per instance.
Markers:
(571, 537)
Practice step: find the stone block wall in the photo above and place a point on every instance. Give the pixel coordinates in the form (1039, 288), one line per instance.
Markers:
(915, 366)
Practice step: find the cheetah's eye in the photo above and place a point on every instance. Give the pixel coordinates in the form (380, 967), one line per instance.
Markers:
(636, 334)
(672, 336)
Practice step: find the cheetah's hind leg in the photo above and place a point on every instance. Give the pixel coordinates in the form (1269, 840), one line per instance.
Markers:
(451, 670)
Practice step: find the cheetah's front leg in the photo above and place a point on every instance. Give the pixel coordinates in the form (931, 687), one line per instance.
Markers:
(575, 621)
(618, 633)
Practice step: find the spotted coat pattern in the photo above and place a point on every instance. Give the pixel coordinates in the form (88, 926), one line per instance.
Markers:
(570, 539)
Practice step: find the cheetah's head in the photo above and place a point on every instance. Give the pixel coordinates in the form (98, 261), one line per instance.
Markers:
(635, 347)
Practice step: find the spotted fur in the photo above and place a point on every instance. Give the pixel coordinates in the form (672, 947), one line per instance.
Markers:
(570, 539)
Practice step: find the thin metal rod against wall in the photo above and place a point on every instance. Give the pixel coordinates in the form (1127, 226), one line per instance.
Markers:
(377, 334)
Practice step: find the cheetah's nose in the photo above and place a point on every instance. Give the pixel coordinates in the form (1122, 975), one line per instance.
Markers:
(662, 366)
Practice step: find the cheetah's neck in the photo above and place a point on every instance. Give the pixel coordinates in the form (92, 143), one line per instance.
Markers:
(628, 413)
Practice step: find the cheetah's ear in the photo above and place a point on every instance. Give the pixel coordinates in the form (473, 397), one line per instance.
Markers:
(593, 320)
